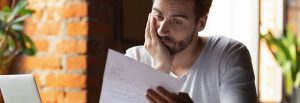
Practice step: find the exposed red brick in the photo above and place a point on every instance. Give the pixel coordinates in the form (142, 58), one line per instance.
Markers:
(66, 81)
(77, 62)
(44, 28)
(72, 46)
(73, 10)
(30, 63)
(30, 28)
(52, 96)
(76, 97)
(49, 28)
(77, 28)
(41, 45)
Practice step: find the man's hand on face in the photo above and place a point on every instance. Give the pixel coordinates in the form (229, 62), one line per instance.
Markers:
(154, 46)
(164, 96)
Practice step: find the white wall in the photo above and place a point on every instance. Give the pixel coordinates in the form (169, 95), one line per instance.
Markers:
(237, 19)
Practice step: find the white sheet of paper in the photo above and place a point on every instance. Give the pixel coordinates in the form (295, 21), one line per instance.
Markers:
(127, 80)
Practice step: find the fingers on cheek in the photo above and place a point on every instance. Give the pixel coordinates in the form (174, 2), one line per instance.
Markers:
(152, 27)
(147, 45)
(153, 42)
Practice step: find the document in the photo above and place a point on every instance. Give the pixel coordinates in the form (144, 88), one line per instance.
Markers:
(127, 80)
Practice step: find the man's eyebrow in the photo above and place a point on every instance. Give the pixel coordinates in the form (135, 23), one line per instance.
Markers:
(183, 16)
(176, 15)
(155, 9)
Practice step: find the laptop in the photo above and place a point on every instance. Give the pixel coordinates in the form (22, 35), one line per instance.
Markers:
(19, 89)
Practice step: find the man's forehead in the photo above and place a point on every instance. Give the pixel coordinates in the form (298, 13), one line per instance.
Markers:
(176, 6)
(182, 4)
(177, 0)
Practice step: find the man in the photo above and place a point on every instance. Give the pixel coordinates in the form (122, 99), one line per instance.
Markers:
(216, 69)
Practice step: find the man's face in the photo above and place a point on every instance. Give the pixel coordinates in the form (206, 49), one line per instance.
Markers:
(175, 23)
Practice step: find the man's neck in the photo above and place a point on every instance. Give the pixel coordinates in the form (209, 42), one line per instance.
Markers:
(183, 60)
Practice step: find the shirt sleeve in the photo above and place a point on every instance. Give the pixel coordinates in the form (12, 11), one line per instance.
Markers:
(238, 81)
(130, 53)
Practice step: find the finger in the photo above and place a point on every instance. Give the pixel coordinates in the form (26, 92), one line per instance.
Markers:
(150, 99)
(147, 29)
(153, 32)
(170, 97)
(155, 96)
(186, 97)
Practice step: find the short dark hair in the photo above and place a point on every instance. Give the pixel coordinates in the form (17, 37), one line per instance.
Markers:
(201, 8)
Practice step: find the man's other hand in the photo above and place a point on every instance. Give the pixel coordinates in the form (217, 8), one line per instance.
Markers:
(162, 95)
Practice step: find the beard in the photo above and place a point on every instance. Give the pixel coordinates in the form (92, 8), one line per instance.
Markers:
(178, 45)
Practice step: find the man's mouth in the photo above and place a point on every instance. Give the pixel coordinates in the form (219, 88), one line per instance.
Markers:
(167, 42)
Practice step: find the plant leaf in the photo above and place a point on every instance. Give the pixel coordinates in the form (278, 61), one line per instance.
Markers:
(1, 32)
(20, 39)
(23, 41)
(11, 44)
(19, 7)
(21, 19)
(288, 78)
(26, 11)
(4, 13)
(11, 51)
(17, 27)
(297, 81)
(31, 50)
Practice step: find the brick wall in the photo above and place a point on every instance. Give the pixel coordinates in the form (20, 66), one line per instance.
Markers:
(72, 37)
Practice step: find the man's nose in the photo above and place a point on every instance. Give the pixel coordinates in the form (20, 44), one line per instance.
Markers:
(163, 28)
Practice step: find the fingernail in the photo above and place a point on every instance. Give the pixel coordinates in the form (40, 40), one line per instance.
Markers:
(159, 86)
(149, 90)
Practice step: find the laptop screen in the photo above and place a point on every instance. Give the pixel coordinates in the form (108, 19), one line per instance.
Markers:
(19, 88)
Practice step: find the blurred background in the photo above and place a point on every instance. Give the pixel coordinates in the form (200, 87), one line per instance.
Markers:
(72, 37)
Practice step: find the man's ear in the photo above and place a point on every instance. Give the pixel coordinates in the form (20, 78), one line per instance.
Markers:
(201, 23)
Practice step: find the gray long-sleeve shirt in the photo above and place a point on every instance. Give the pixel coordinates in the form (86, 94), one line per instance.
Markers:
(222, 73)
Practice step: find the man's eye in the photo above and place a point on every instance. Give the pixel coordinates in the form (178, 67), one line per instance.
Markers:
(158, 17)
(177, 22)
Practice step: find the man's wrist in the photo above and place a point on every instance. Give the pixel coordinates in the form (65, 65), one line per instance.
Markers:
(164, 67)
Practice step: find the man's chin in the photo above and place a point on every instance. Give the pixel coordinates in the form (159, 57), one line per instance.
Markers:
(172, 50)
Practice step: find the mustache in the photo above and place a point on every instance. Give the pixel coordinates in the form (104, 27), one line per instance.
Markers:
(167, 38)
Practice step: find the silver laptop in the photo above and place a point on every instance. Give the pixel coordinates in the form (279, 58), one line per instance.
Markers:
(19, 89)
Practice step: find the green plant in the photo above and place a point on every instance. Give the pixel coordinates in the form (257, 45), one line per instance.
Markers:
(13, 41)
(287, 54)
